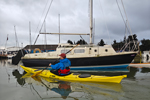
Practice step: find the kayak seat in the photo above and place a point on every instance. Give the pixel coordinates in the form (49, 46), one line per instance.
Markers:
(84, 75)
(55, 71)
(65, 75)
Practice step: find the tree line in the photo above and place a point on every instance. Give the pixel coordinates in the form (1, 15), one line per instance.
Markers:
(144, 44)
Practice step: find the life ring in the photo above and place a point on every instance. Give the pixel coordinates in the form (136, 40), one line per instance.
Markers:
(37, 49)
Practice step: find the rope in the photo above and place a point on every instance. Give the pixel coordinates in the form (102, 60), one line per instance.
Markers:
(126, 16)
(36, 91)
(122, 17)
(128, 22)
(7, 74)
(6, 41)
(105, 22)
(41, 16)
(44, 20)
(17, 42)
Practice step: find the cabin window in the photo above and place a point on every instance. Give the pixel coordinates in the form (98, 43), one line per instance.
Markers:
(106, 50)
(65, 51)
(95, 50)
(79, 50)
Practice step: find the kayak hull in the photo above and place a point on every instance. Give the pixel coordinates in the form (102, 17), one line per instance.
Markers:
(71, 77)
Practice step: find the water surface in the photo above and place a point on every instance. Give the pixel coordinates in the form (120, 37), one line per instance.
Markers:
(12, 87)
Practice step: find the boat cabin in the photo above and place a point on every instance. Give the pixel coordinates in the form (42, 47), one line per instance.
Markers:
(79, 51)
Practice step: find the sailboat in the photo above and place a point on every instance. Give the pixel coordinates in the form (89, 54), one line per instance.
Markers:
(9, 52)
(83, 57)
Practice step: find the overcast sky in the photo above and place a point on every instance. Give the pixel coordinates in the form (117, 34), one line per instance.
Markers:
(74, 18)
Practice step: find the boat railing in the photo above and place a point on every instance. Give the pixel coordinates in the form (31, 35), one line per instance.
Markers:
(130, 46)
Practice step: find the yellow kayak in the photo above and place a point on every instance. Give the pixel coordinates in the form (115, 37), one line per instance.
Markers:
(79, 77)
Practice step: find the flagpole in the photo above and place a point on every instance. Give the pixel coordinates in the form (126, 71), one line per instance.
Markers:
(6, 41)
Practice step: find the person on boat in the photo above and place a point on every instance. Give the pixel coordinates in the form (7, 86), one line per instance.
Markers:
(61, 68)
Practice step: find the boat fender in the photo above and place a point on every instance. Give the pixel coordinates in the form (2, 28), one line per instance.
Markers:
(37, 49)
(17, 58)
(84, 75)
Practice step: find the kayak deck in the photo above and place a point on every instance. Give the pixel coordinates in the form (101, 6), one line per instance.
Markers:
(71, 77)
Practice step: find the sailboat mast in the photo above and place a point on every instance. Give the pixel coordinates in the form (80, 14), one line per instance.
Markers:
(17, 44)
(91, 20)
(30, 36)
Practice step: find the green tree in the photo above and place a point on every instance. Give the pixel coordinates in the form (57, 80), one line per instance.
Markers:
(145, 45)
(69, 41)
(131, 39)
(115, 42)
(101, 43)
(82, 42)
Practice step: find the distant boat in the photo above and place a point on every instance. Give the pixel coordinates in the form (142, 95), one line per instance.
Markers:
(83, 57)
(9, 52)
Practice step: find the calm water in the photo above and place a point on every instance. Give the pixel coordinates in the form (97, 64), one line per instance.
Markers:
(135, 87)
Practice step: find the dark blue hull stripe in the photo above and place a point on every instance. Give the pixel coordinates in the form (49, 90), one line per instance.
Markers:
(98, 67)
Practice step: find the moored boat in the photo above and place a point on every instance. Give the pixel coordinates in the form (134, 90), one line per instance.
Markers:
(84, 57)
(76, 77)
(9, 52)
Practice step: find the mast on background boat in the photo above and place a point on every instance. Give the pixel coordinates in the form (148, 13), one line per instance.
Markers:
(59, 25)
(30, 36)
(17, 44)
(6, 41)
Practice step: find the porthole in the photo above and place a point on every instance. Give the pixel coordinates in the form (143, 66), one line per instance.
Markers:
(106, 50)
(95, 50)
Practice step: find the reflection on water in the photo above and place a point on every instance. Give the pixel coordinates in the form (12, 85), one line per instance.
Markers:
(22, 86)
(82, 89)
(63, 89)
(132, 72)
(145, 70)
(18, 76)
(141, 60)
